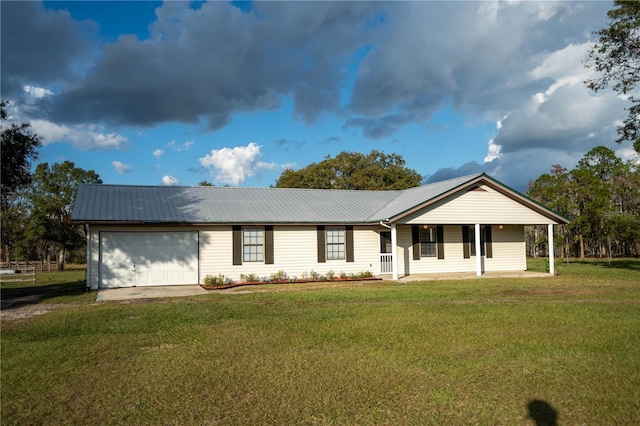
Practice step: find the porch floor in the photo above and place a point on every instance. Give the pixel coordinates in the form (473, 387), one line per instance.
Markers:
(469, 275)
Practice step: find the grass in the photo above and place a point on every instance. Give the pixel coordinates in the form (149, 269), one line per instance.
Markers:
(442, 352)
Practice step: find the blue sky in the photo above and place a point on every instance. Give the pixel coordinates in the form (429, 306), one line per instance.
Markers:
(156, 93)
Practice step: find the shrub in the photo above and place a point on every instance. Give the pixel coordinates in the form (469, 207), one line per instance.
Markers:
(279, 276)
(314, 275)
(216, 281)
(331, 275)
(249, 278)
(343, 275)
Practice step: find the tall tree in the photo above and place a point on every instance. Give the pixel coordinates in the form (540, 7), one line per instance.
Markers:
(52, 198)
(353, 170)
(18, 149)
(602, 196)
(551, 189)
(616, 57)
(592, 183)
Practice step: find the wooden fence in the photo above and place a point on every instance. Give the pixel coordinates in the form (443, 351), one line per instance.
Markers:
(27, 275)
(38, 266)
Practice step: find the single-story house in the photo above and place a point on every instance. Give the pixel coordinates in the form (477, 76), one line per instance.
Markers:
(166, 235)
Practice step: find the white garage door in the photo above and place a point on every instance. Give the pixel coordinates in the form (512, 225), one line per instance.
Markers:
(129, 259)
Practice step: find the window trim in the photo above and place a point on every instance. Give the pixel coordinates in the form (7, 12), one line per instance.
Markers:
(343, 243)
(416, 241)
(261, 253)
(432, 244)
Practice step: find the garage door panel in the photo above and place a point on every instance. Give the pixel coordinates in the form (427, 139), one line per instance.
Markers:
(148, 258)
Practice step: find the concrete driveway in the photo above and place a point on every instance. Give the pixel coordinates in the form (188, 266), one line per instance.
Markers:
(156, 292)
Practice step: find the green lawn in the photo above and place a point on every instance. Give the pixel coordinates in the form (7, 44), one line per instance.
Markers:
(442, 352)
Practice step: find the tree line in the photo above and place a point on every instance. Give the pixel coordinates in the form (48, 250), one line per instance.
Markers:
(36, 206)
(601, 197)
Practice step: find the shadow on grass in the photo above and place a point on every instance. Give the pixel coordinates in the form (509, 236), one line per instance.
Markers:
(542, 413)
(20, 296)
(628, 264)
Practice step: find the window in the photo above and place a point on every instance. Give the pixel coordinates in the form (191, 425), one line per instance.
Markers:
(385, 242)
(335, 243)
(253, 244)
(428, 242)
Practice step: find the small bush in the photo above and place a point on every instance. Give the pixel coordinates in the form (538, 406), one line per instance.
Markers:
(279, 276)
(216, 281)
(249, 278)
(330, 275)
(343, 275)
(314, 275)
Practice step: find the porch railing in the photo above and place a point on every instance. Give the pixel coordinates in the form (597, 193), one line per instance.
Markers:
(386, 263)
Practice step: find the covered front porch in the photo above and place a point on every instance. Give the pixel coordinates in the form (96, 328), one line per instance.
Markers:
(409, 251)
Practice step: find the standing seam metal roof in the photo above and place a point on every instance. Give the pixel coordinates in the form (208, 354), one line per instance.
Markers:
(206, 204)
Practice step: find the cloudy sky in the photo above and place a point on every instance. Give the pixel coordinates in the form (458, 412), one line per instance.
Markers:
(175, 93)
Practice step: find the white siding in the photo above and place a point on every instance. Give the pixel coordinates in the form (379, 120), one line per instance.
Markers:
(508, 252)
(485, 207)
(94, 259)
(508, 249)
(295, 252)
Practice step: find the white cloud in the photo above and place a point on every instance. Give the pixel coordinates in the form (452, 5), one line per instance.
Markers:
(180, 146)
(494, 151)
(158, 153)
(37, 92)
(121, 167)
(168, 180)
(234, 165)
(82, 136)
(628, 154)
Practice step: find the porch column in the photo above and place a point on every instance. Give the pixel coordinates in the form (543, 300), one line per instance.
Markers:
(88, 241)
(478, 252)
(550, 244)
(394, 251)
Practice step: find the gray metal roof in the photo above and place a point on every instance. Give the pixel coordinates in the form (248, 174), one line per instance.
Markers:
(206, 204)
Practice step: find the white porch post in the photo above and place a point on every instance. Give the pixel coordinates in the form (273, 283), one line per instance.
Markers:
(550, 244)
(394, 251)
(88, 241)
(478, 252)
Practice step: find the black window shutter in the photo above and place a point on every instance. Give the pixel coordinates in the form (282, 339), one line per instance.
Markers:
(322, 254)
(488, 241)
(465, 242)
(348, 240)
(440, 240)
(237, 244)
(268, 245)
(415, 240)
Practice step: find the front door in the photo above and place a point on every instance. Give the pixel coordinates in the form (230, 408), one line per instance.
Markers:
(386, 258)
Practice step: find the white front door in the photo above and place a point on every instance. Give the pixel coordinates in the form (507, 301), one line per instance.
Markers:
(129, 259)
